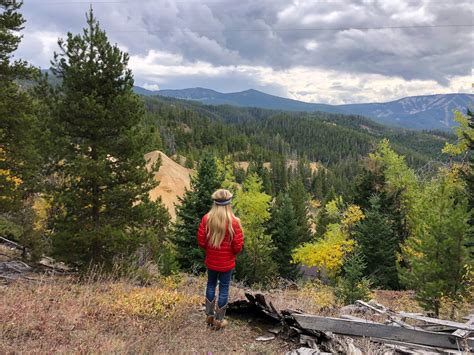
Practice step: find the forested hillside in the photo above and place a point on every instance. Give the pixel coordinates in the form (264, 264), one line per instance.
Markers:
(416, 112)
(255, 135)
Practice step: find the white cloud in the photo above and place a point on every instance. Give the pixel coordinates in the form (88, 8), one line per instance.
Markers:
(153, 87)
(38, 47)
(300, 83)
(231, 45)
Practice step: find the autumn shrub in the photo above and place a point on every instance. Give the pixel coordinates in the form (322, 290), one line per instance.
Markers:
(152, 302)
(320, 294)
(329, 251)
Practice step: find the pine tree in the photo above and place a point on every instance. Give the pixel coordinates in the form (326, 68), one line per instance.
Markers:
(378, 245)
(158, 235)
(255, 263)
(300, 199)
(20, 158)
(353, 285)
(18, 153)
(282, 228)
(195, 203)
(435, 252)
(102, 195)
(465, 147)
(469, 178)
(279, 174)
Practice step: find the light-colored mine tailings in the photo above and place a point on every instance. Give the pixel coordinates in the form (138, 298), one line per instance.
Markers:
(174, 179)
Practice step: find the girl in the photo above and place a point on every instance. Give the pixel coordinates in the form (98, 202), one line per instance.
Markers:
(220, 235)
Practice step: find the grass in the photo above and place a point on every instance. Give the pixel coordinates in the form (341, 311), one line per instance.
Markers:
(65, 315)
(97, 314)
(104, 314)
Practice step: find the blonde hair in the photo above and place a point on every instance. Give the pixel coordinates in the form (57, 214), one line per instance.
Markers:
(219, 219)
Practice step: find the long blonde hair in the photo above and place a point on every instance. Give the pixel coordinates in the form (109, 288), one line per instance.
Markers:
(219, 218)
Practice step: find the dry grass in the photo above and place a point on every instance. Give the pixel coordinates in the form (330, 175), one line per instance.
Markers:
(312, 297)
(106, 314)
(63, 315)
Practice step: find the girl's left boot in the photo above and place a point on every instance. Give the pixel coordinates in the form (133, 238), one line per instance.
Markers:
(210, 312)
(219, 321)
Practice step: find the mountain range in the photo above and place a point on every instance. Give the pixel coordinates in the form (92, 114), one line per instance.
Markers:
(415, 112)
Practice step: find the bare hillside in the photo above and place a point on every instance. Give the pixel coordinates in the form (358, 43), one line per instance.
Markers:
(173, 178)
(314, 166)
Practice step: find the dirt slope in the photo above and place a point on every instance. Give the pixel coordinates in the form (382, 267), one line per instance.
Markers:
(289, 163)
(173, 178)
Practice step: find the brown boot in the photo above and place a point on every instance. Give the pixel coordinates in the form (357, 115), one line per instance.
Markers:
(219, 321)
(210, 313)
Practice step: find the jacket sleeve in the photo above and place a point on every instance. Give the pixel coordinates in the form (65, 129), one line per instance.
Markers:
(238, 240)
(201, 234)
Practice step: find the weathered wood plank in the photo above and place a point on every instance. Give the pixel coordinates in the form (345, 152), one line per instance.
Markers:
(416, 348)
(385, 311)
(465, 333)
(8, 241)
(463, 326)
(351, 317)
(363, 329)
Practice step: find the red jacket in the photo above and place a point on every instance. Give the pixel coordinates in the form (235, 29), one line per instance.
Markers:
(221, 259)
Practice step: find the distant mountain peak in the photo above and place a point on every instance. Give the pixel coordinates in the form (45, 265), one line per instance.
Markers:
(433, 111)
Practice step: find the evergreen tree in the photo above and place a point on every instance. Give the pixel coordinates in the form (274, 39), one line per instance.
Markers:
(372, 181)
(18, 153)
(465, 147)
(158, 235)
(20, 158)
(195, 203)
(304, 172)
(103, 185)
(279, 174)
(284, 232)
(378, 245)
(437, 258)
(255, 263)
(469, 178)
(353, 285)
(300, 199)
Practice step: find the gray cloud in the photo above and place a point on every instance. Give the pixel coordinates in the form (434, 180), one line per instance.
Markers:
(279, 35)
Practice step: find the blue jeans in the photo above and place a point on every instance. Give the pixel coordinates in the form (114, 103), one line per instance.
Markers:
(224, 283)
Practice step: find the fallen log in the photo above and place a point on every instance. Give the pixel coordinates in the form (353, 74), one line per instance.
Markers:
(382, 331)
(257, 307)
(12, 243)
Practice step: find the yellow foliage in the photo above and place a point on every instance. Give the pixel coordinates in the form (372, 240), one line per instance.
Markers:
(409, 251)
(315, 204)
(7, 172)
(171, 282)
(149, 302)
(11, 178)
(332, 208)
(461, 131)
(41, 206)
(352, 215)
(321, 295)
(328, 252)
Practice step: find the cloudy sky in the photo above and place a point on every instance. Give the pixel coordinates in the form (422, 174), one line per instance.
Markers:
(329, 51)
